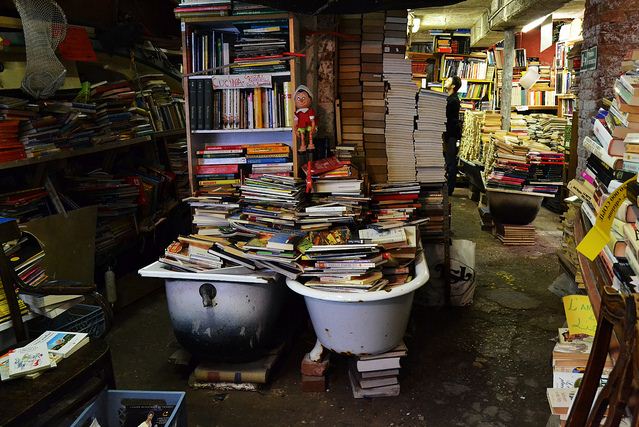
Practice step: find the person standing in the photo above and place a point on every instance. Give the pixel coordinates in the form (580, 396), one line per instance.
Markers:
(453, 131)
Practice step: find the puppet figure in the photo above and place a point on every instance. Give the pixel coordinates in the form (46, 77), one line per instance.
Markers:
(304, 122)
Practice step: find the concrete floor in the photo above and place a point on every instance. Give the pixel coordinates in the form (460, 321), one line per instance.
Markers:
(483, 365)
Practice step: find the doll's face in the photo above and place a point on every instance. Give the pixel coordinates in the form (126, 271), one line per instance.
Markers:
(302, 100)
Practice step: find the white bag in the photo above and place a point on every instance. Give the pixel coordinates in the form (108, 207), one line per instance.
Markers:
(462, 272)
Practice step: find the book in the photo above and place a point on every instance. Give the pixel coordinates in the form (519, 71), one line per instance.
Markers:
(360, 393)
(62, 344)
(29, 360)
(41, 301)
(143, 414)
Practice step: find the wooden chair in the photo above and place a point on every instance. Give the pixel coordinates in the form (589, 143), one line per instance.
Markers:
(618, 314)
(10, 281)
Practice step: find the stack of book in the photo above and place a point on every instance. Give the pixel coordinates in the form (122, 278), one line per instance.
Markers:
(211, 213)
(511, 169)
(50, 306)
(546, 129)
(349, 84)
(115, 114)
(218, 168)
(377, 376)
(400, 103)
(195, 8)
(4, 307)
(545, 173)
(432, 201)
(117, 200)
(431, 113)
(269, 204)
(470, 145)
(393, 203)
(335, 260)
(27, 259)
(165, 108)
(518, 125)
(177, 152)
(515, 235)
(25, 205)
(260, 47)
(43, 353)
(373, 95)
(10, 146)
(191, 254)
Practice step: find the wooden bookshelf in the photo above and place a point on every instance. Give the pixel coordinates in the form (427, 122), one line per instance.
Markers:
(196, 139)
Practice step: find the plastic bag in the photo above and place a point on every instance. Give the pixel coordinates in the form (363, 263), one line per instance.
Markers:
(462, 272)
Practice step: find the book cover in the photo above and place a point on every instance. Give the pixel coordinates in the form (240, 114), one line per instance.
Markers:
(29, 360)
(62, 343)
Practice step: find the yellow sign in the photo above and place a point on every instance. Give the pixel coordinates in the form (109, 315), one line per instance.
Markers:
(599, 234)
(579, 315)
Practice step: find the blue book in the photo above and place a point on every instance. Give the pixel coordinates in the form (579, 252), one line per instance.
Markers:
(267, 160)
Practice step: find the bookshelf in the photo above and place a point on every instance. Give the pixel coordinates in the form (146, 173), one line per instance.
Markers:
(273, 79)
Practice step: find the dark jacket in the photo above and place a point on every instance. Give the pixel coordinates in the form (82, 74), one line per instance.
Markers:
(453, 126)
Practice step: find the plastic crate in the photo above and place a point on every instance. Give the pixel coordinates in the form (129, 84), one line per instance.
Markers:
(79, 318)
(109, 410)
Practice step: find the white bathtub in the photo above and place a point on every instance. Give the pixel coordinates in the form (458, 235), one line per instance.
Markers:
(362, 323)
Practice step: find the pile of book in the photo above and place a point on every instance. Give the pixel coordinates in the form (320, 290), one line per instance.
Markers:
(49, 306)
(166, 110)
(431, 113)
(349, 86)
(515, 235)
(546, 129)
(25, 205)
(393, 203)
(518, 126)
(117, 200)
(545, 173)
(377, 376)
(400, 105)
(255, 108)
(27, 259)
(470, 145)
(510, 170)
(177, 152)
(10, 146)
(43, 353)
(569, 359)
(269, 204)
(432, 207)
(374, 107)
(119, 120)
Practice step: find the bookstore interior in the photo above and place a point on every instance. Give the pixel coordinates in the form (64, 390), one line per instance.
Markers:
(214, 212)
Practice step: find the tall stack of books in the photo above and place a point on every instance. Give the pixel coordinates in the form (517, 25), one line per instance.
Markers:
(432, 201)
(377, 376)
(373, 95)
(349, 84)
(400, 101)
(211, 213)
(393, 203)
(431, 113)
(511, 169)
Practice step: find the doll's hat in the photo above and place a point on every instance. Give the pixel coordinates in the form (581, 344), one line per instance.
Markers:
(305, 89)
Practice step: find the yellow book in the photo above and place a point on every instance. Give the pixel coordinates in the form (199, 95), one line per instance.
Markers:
(219, 182)
(257, 103)
(289, 105)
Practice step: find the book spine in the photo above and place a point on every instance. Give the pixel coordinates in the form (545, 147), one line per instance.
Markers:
(250, 112)
(193, 103)
(221, 169)
(200, 104)
(219, 182)
(223, 161)
(208, 103)
(602, 154)
(267, 160)
(257, 100)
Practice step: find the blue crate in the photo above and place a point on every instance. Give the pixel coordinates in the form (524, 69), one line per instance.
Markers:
(108, 408)
(79, 318)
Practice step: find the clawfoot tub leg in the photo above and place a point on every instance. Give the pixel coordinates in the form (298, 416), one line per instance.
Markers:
(316, 352)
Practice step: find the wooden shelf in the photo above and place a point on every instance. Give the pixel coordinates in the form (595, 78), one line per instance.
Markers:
(243, 130)
(590, 280)
(534, 107)
(70, 153)
(236, 18)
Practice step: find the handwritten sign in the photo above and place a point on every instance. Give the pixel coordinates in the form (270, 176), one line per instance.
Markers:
(241, 81)
(579, 315)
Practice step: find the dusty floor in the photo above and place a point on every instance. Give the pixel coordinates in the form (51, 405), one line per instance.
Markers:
(484, 365)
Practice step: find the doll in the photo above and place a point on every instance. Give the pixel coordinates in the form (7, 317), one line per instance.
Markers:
(304, 121)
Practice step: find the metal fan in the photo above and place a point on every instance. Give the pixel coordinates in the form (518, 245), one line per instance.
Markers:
(45, 26)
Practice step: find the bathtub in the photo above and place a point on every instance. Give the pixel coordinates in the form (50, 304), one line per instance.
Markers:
(362, 323)
(229, 315)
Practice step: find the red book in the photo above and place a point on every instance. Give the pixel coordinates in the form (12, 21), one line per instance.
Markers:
(217, 169)
(321, 166)
(223, 147)
(396, 197)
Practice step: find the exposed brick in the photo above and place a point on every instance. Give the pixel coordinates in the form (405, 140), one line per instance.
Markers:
(314, 369)
(313, 384)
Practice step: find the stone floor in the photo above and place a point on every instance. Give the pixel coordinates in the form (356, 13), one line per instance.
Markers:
(483, 365)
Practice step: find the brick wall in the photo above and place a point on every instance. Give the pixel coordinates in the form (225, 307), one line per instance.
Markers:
(613, 26)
